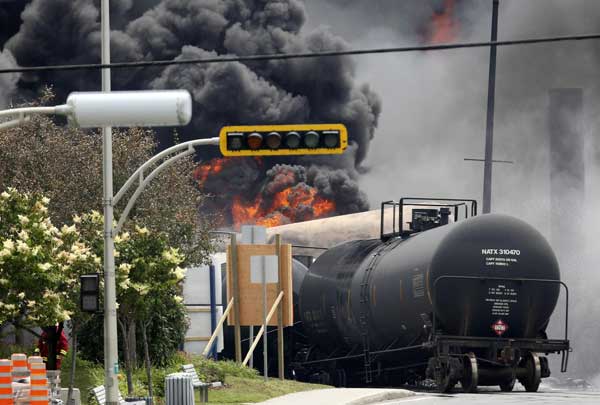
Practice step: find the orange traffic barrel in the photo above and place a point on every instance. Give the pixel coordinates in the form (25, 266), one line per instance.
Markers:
(39, 384)
(19, 365)
(34, 359)
(6, 392)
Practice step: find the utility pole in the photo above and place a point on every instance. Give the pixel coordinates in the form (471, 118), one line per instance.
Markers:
(111, 356)
(489, 134)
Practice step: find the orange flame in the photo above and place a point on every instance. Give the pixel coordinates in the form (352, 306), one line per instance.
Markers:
(210, 168)
(282, 209)
(444, 28)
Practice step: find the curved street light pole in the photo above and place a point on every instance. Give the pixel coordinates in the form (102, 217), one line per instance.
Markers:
(22, 114)
(188, 149)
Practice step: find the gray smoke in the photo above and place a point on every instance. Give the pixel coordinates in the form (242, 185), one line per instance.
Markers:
(291, 91)
(435, 117)
(8, 82)
(408, 21)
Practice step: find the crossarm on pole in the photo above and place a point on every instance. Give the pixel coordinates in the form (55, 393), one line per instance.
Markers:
(144, 183)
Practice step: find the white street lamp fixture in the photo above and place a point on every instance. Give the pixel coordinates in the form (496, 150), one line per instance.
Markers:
(148, 108)
(155, 108)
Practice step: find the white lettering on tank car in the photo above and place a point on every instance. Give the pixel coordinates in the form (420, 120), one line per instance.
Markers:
(501, 299)
(506, 252)
(500, 257)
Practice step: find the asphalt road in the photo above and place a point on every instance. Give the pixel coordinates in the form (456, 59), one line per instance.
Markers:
(494, 397)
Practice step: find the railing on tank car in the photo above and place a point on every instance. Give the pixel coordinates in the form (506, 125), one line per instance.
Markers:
(397, 227)
(565, 343)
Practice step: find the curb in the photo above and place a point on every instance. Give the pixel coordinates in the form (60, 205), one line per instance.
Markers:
(381, 397)
(340, 396)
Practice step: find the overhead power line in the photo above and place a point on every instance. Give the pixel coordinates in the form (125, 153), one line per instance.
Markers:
(283, 56)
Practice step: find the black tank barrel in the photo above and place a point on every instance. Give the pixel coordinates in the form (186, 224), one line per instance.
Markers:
(391, 290)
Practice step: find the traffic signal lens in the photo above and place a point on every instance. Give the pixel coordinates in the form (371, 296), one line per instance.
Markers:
(331, 139)
(254, 140)
(292, 140)
(235, 141)
(273, 140)
(311, 139)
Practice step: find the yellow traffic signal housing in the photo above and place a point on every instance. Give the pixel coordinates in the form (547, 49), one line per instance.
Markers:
(273, 140)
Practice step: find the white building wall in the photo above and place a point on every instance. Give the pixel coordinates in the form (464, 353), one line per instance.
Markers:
(196, 295)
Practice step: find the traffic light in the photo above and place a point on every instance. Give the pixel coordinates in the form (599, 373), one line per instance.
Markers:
(272, 140)
(90, 292)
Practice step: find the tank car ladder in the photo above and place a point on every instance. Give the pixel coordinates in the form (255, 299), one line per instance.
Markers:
(364, 313)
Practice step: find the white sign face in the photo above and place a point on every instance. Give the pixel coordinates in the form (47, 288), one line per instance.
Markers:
(253, 234)
(264, 266)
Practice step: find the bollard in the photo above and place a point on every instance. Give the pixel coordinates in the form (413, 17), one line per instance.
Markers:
(6, 392)
(39, 384)
(179, 389)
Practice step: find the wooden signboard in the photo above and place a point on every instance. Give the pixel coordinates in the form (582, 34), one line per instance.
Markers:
(251, 294)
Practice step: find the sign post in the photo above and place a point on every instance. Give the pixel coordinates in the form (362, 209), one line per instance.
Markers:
(264, 269)
(236, 301)
(253, 234)
(266, 334)
(280, 361)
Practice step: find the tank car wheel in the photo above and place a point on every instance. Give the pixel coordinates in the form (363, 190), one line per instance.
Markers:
(507, 386)
(470, 374)
(341, 380)
(445, 375)
(444, 383)
(531, 381)
(324, 378)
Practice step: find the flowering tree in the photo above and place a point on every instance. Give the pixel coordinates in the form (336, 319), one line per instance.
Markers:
(147, 276)
(40, 267)
(30, 279)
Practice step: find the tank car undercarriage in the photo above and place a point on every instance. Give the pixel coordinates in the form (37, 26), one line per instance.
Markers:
(490, 361)
(470, 361)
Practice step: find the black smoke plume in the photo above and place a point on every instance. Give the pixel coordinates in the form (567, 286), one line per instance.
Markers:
(290, 91)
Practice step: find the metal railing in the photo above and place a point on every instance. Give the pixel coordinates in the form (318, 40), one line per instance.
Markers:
(518, 280)
(397, 226)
